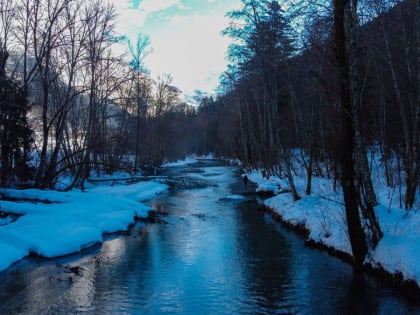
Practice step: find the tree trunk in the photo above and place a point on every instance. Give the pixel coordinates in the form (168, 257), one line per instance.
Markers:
(309, 172)
(287, 161)
(355, 230)
(137, 145)
(40, 178)
(367, 196)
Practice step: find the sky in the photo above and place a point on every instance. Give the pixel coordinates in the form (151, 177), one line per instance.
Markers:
(185, 36)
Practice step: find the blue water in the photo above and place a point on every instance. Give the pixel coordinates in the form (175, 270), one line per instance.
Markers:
(215, 256)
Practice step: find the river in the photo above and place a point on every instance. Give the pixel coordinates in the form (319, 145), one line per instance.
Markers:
(216, 255)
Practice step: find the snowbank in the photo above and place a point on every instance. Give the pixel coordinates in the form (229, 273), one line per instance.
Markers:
(186, 161)
(69, 221)
(323, 214)
(189, 160)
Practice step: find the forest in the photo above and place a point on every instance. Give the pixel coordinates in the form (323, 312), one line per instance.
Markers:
(335, 81)
(343, 90)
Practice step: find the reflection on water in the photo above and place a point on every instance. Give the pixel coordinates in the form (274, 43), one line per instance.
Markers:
(216, 256)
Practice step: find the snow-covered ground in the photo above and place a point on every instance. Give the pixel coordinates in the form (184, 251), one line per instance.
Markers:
(322, 213)
(191, 159)
(66, 222)
(187, 160)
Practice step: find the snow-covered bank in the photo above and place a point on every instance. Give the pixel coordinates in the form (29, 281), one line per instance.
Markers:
(191, 159)
(186, 161)
(66, 222)
(323, 215)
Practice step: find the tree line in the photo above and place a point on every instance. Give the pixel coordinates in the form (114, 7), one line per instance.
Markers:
(332, 81)
(70, 104)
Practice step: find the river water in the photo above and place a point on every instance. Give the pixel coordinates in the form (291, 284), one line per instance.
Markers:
(216, 255)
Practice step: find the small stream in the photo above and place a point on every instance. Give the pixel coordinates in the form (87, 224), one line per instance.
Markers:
(215, 255)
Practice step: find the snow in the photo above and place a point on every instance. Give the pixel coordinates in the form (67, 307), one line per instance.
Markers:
(323, 214)
(69, 221)
(186, 161)
(399, 249)
(189, 160)
(324, 219)
(271, 185)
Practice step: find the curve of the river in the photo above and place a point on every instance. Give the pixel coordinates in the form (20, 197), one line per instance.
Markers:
(216, 255)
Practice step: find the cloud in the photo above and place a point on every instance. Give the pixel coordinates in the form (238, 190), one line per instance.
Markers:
(132, 17)
(185, 37)
(129, 18)
(192, 50)
(150, 6)
(179, 19)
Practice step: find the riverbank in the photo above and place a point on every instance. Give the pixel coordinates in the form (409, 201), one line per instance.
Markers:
(52, 223)
(320, 217)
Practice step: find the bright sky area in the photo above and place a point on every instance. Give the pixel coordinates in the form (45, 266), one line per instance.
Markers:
(185, 37)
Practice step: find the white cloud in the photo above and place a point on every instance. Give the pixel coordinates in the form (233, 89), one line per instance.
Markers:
(193, 51)
(179, 19)
(188, 45)
(150, 6)
(129, 19)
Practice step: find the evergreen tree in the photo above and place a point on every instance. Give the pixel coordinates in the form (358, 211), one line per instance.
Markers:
(15, 134)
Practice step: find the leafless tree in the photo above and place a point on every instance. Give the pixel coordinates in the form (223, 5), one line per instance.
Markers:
(99, 69)
(138, 52)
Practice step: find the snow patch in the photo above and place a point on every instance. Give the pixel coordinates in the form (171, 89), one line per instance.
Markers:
(71, 220)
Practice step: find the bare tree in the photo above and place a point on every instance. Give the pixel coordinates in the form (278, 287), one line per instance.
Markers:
(23, 34)
(406, 99)
(138, 53)
(99, 65)
(345, 23)
(356, 234)
(46, 31)
(7, 14)
(70, 53)
(367, 196)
